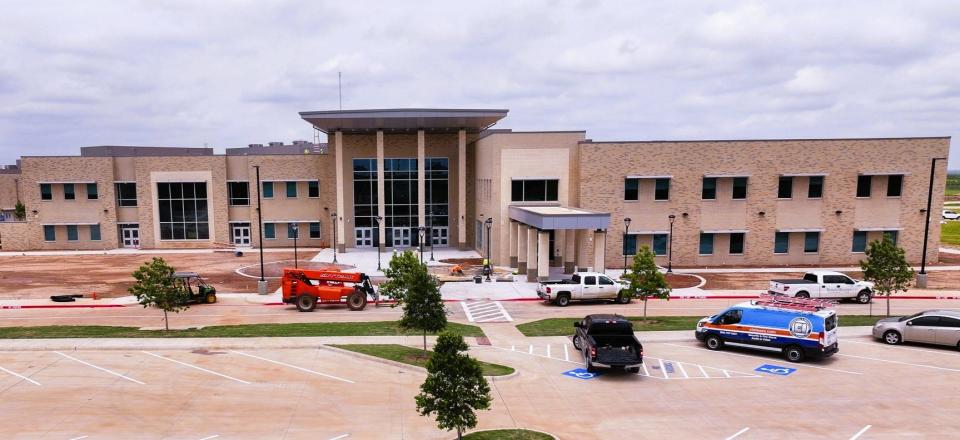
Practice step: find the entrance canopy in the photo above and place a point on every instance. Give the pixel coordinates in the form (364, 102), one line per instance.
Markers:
(559, 217)
(404, 120)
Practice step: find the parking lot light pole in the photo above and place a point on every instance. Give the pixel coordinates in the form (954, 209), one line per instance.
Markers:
(670, 245)
(296, 233)
(489, 223)
(378, 219)
(626, 234)
(262, 283)
(922, 275)
(420, 242)
(333, 216)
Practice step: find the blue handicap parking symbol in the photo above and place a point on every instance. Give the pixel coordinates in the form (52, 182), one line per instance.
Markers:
(581, 373)
(775, 369)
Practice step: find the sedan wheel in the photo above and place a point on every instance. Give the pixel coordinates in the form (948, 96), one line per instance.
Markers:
(576, 342)
(892, 337)
(863, 297)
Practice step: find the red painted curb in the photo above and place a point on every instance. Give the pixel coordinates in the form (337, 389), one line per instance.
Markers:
(58, 306)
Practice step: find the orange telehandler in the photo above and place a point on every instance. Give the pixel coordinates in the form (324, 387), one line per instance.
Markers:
(305, 288)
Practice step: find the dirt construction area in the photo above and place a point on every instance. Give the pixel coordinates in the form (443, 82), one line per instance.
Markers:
(110, 275)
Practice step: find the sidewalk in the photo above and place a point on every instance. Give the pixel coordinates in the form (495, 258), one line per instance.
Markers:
(126, 251)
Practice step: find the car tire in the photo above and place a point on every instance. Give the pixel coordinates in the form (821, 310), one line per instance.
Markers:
(634, 370)
(804, 295)
(713, 342)
(794, 353)
(892, 337)
(306, 303)
(576, 342)
(623, 299)
(210, 298)
(590, 367)
(357, 301)
(563, 300)
(863, 297)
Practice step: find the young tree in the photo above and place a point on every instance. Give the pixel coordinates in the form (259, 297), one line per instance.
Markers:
(422, 304)
(886, 266)
(455, 386)
(155, 288)
(398, 274)
(19, 211)
(646, 280)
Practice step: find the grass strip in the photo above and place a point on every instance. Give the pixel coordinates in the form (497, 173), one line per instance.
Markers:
(414, 356)
(507, 434)
(374, 328)
(564, 326)
(950, 233)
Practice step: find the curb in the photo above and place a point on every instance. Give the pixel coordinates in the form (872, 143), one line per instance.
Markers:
(525, 429)
(403, 365)
(62, 306)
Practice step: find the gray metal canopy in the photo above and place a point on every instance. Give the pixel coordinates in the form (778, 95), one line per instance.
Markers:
(404, 119)
(559, 217)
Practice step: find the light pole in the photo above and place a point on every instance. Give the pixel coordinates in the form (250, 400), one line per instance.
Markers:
(333, 217)
(922, 275)
(378, 220)
(420, 242)
(262, 284)
(670, 246)
(626, 234)
(296, 233)
(489, 267)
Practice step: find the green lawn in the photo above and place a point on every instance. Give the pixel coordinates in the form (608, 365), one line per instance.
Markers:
(950, 233)
(564, 326)
(414, 356)
(953, 184)
(376, 328)
(507, 434)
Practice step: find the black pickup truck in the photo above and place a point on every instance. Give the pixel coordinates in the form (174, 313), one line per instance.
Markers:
(607, 341)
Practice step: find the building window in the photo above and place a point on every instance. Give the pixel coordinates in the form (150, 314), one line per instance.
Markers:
(313, 189)
(894, 185)
(365, 192)
(293, 231)
(49, 233)
(269, 231)
(239, 193)
(706, 243)
(478, 241)
(811, 242)
(892, 235)
(660, 244)
(92, 191)
(781, 243)
(46, 191)
(739, 188)
(400, 201)
(631, 189)
(785, 189)
(291, 190)
(127, 194)
(315, 230)
(736, 243)
(863, 186)
(437, 194)
(94, 232)
(709, 191)
(538, 190)
(183, 210)
(859, 241)
(72, 233)
(68, 192)
(662, 189)
(815, 187)
(268, 190)
(629, 244)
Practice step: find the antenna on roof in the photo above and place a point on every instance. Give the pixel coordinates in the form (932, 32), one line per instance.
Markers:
(340, 89)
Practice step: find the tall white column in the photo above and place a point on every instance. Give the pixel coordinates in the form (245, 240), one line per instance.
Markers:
(532, 262)
(381, 209)
(338, 151)
(583, 247)
(462, 189)
(421, 179)
(599, 250)
(521, 248)
(543, 254)
(512, 242)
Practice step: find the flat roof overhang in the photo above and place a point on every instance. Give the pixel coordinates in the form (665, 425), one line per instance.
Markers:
(559, 217)
(404, 120)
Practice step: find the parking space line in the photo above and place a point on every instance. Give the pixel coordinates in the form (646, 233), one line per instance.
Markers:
(80, 438)
(466, 311)
(702, 371)
(899, 362)
(645, 371)
(738, 434)
(566, 354)
(292, 366)
(663, 370)
(100, 368)
(682, 371)
(20, 376)
(211, 437)
(195, 367)
(761, 358)
(531, 348)
(859, 433)
(548, 350)
(537, 355)
(898, 347)
(340, 437)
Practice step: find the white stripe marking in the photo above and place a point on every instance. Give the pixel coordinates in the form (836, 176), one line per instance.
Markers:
(513, 348)
(726, 373)
(100, 368)
(466, 310)
(897, 347)
(292, 366)
(738, 433)
(196, 367)
(682, 371)
(531, 348)
(340, 437)
(664, 370)
(898, 362)
(548, 351)
(645, 371)
(20, 376)
(859, 433)
(566, 354)
(702, 371)
(211, 437)
(759, 357)
(81, 437)
(504, 311)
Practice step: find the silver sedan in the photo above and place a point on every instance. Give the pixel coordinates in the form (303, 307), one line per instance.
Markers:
(941, 327)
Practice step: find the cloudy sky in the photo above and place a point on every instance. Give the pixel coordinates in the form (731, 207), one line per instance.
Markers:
(226, 74)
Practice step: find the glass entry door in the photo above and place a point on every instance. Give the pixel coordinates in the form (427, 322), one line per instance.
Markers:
(401, 237)
(241, 234)
(131, 237)
(364, 237)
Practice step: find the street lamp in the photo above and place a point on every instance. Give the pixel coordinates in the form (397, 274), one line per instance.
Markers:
(626, 234)
(420, 242)
(262, 284)
(378, 220)
(296, 233)
(922, 275)
(333, 217)
(670, 246)
(489, 268)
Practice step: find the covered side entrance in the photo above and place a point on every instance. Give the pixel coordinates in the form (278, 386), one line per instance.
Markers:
(240, 234)
(534, 229)
(129, 235)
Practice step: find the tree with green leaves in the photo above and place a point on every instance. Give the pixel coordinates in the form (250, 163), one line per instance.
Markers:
(422, 304)
(156, 287)
(646, 280)
(398, 273)
(455, 387)
(19, 211)
(886, 266)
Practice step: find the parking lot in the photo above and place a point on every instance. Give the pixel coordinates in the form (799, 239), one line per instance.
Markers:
(867, 391)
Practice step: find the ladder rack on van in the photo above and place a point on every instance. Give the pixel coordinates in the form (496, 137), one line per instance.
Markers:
(786, 302)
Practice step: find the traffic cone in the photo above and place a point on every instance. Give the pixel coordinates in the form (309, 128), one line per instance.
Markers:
(94, 296)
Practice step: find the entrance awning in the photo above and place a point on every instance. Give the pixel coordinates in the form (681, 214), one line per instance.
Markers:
(559, 217)
(404, 120)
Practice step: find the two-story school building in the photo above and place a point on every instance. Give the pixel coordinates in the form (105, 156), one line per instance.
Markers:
(534, 200)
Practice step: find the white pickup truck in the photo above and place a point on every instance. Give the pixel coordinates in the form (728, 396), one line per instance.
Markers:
(583, 286)
(824, 284)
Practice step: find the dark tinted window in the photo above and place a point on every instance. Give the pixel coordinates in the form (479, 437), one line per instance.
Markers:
(927, 321)
(92, 191)
(736, 243)
(815, 190)
(830, 323)
(68, 191)
(314, 230)
(781, 243)
(731, 317)
(709, 191)
(239, 193)
(739, 187)
(267, 190)
(811, 278)
(534, 190)
(662, 191)
(660, 244)
(863, 185)
(313, 189)
(834, 279)
(631, 189)
(894, 185)
(604, 281)
(949, 322)
(127, 194)
(785, 188)
(859, 241)
(706, 244)
(629, 244)
(590, 281)
(46, 192)
(811, 242)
